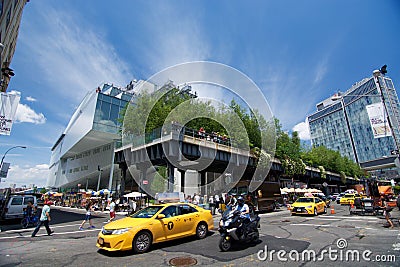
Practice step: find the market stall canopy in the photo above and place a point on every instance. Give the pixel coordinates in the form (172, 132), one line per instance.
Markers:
(135, 194)
(287, 190)
(313, 190)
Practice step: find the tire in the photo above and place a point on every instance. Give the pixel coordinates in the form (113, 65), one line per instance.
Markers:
(224, 245)
(201, 230)
(142, 242)
(315, 212)
(24, 223)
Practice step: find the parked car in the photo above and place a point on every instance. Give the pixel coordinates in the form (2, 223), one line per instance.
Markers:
(334, 196)
(323, 198)
(348, 199)
(14, 208)
(339, 197)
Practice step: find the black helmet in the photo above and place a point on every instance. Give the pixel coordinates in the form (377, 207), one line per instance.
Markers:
(240, 200)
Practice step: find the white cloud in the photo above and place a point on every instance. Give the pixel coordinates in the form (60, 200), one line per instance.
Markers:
(73, 57)
(26, 114)
(30, 99)
(303, 130)
(27, 175)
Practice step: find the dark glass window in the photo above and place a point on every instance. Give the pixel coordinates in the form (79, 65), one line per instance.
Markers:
(1, 7)
(27, 199)
(114, 113)
(16, 201)
(170, 211)
(105, 109)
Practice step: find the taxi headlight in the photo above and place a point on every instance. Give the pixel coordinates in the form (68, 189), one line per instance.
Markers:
(309, 207)
(121, 231)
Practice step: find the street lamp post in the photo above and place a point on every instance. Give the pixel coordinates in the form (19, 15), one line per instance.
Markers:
(2, 159)
(98, 180)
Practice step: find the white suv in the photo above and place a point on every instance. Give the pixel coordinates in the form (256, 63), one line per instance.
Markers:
(16, 204)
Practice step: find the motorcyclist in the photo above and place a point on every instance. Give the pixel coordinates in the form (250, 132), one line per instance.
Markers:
(244, 210)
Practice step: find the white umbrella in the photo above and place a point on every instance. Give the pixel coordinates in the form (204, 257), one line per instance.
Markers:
(134, 194)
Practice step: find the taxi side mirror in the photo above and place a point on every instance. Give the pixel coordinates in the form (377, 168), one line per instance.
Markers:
(160, 216)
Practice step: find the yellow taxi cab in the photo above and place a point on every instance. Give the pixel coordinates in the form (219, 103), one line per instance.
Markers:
(308, 205)
(348, 199)
(155, 224)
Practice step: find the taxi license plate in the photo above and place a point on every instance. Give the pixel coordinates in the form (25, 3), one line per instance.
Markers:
(101, 241)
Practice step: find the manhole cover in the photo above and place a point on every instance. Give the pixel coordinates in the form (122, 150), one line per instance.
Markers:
(183, 261)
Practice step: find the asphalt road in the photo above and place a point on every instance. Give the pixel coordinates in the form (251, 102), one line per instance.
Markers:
(283, 239)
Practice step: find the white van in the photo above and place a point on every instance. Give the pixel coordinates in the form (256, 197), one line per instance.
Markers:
(16, 204)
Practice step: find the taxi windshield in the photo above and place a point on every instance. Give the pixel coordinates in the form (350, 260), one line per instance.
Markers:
(348, 196)
(305, 200)
(147, 212)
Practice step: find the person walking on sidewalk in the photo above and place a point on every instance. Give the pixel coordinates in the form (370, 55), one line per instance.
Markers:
(88, 216)
(112, 210)
(44, 219)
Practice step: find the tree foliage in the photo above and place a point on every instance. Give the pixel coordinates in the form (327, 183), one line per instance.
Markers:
(245, 128)
(332, 161)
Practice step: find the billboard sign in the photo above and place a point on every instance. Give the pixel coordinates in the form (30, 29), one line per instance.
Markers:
(8, 107)
(377, 118)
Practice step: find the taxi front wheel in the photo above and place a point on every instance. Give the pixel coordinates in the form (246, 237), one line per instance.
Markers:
(142, 241)
(201, 230)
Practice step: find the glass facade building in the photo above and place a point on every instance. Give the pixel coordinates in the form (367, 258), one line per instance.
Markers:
(342, 123)
(84, 152)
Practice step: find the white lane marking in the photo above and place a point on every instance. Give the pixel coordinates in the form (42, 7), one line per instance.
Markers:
(310, 224)
(347, 217)
(337, 226)
(63, 233)
(33, 228)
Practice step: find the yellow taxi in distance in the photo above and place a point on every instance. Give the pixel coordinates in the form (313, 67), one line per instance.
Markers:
(154, 224)
(308, 205)
(348, 199)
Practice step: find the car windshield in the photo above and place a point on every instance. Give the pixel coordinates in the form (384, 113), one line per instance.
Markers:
(348, 196)
(147, 212)
(305, 200)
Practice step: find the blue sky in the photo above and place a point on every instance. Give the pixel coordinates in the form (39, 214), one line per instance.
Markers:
(297, 52)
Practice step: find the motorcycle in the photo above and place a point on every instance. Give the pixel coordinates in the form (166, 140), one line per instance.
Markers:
(233, 227)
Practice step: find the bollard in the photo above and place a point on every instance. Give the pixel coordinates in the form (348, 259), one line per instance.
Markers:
(333, 210)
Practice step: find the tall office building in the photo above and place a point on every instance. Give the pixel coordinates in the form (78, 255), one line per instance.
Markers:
(356, 124)
(10, 19)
